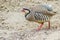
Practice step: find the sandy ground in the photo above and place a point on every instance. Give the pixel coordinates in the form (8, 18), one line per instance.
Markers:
(14, 26)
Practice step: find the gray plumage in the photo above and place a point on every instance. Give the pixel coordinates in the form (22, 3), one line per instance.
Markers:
(40, 13)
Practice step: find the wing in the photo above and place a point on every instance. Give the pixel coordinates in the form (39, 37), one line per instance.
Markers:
(49, 13)
(42, 9)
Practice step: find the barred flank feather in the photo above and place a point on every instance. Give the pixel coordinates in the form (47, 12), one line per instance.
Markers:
(41, 17)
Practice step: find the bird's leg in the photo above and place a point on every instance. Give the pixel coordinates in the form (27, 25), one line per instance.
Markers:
(48, 25)
(39, 27)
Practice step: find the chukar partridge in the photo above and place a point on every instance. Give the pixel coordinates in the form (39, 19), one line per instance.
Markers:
(40, 14)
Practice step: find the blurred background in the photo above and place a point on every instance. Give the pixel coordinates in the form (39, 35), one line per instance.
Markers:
(14, 26)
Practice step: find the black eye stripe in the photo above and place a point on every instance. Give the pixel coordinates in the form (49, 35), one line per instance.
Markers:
(26, 9)
(26, 14)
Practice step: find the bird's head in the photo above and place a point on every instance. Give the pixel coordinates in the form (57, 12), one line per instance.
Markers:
(25, 10)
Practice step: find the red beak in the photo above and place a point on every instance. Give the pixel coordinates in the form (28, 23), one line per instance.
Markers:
(23, 10)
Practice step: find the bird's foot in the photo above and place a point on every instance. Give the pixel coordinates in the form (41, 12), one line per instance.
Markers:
(47, 28)
(38, 29)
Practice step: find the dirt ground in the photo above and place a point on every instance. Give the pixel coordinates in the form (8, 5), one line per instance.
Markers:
(14, 26)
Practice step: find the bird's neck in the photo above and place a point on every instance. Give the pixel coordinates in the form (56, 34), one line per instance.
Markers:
(26, 14)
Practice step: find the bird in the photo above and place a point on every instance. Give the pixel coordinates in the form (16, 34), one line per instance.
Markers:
(39, 14)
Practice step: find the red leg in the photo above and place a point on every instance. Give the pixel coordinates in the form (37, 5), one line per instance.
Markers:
(39, 27)
(48, 24)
